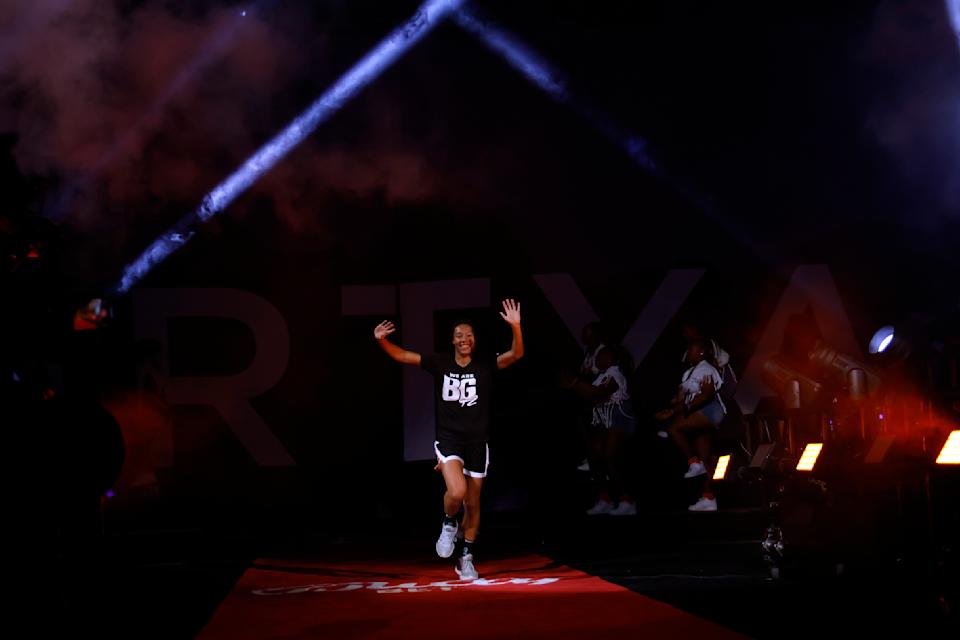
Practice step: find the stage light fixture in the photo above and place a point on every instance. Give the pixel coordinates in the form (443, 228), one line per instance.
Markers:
(950, 453)
(721, 471)
(809, 457)
(881, 339)
(796, 389)
(859, 379)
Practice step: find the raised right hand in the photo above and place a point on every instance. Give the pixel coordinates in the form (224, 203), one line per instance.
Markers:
(383, 329)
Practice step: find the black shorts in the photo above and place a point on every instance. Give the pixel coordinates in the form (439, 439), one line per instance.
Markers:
(475, 457)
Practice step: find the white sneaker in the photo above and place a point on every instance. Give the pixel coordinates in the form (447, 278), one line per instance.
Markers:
(704, 504)
(465, 568)
(696, 469)
(447, 540)
(584, 466)
(625, 509)
(602, 507)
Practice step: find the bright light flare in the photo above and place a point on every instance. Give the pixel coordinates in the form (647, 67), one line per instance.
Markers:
(721, 471)
(809, 457)
(950, 454)
(881, 339)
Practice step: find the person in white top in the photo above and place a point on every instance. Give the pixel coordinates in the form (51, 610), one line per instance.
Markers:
(697, 410)
(715, 355)
(612, 425)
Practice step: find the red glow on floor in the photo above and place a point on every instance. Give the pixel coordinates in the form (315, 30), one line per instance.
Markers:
(528, 596)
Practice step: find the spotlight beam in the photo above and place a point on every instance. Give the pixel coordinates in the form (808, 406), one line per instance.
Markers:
(542, 74)
(520, 56)
(953, 13)
(398, 42)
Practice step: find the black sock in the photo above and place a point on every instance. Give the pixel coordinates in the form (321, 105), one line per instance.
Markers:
(449, 520)
(468, 546)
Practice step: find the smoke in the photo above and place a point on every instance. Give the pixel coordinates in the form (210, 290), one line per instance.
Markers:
(117, 108)
(132, 115)
(914, 114)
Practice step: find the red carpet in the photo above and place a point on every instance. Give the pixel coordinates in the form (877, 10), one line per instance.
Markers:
(522, 597)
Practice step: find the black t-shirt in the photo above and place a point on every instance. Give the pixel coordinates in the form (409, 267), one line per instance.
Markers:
(463, 395)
